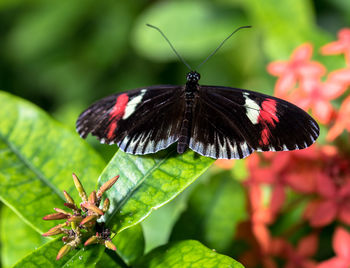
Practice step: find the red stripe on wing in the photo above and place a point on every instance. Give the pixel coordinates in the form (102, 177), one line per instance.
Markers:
(117, 113)
(268, 119)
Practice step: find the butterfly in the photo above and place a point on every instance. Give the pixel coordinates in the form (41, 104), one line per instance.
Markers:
(214, 121)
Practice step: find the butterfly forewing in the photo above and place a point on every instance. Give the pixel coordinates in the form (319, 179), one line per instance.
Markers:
(231, 123)
(140, 121)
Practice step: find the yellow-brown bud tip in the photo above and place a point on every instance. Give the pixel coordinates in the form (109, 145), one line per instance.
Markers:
(89, 219)
(63, 251)
(92, 240)
(92, 208)
(79, 187)
(92, 197)
(55, 216)
(110, 245)
(68, 197)
(106, 186)
(106, 204)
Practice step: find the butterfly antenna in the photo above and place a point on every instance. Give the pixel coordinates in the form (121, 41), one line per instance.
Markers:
(177, 54)
(222, 43)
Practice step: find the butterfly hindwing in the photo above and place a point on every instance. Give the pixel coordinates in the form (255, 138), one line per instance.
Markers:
(140, 121)
(231, 123)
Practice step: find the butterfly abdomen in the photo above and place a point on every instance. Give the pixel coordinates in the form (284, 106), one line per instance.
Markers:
(186, 126)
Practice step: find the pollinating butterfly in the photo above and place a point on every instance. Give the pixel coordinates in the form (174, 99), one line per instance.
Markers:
(214, 121)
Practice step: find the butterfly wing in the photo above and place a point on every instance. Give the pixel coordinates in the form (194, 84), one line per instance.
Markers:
(232, 123)
(140, 121)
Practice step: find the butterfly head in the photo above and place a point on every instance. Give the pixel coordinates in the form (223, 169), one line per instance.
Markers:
(193, 77)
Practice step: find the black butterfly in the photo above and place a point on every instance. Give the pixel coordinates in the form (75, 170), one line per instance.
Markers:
(214, 121)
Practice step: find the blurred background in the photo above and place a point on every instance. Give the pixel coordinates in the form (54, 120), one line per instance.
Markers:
(64, 55)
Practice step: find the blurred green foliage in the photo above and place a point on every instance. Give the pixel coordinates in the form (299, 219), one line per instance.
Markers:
(63, 55)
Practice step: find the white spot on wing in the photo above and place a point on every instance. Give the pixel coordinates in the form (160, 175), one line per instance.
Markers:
(130, 107)
(252, 109)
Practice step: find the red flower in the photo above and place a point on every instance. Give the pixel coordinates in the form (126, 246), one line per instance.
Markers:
(316, 95)
(342, 121)
(341, 246)
(300, 256)
(334, 191)
(296, 68)
(341, 76)
(342, 45)
(261, 216)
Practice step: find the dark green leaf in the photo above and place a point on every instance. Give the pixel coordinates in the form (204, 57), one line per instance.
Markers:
(13, 230)
(130, 244)
(45, 256)
(148, 182)
(38, 156)
(109, 260)
(188, 253)
(215, 208)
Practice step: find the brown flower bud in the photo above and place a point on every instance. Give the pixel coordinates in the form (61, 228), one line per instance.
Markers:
(56, 216)
(106, 204)
(92, 208)
(110, 245)
(76, 219)
(92, 197)
(62, 211)
(63, 251)
(80, 188)
(89, 219)
(106, 186)
(58, 229)
(68, 197)
(92, 240)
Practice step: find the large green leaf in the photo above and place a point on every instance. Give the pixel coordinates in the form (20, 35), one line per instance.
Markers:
(37, 158)
(13, 230)
(188, 253)
(148, 182)
(130, 244)
(45, 256)
(214, 210)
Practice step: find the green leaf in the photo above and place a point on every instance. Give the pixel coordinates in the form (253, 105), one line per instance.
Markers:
(214, 210)
(130, 244)
(188, 253)
(13, 229)
(203, 26)
(148, 182)
(108, 260)
(38, 156)
(45, 256)
(158, 226)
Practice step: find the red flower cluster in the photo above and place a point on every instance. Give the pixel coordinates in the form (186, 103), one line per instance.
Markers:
(301, 82)
(314, 183)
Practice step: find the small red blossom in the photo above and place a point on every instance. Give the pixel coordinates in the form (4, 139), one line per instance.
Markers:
(341, 246)
(299, 66)
(300, 257)
(334, 201)
(316, 95)
(342, 121)
(342, 45)
(285, 169)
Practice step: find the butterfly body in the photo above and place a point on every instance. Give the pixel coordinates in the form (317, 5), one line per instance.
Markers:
(214, 121)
